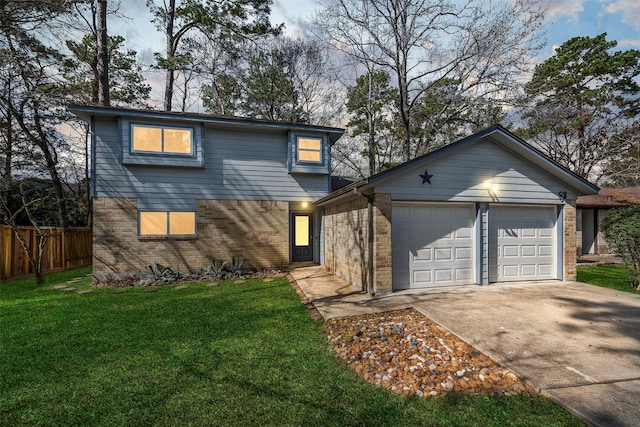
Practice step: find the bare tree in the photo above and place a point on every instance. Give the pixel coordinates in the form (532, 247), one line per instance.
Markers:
(314, 78)
(625, 170)
(277, 78)
(10, 217)
(37, 95)
(482, 45)
(370, 103)
(221, 70)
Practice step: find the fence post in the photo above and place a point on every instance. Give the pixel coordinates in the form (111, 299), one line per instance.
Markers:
(64, 248)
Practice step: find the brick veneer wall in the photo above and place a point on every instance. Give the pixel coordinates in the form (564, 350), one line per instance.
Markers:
(569, 240)
(346, 241)
(382, 260)
(255, 230)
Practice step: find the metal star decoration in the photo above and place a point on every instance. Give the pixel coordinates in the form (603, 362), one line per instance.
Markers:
(426, 177)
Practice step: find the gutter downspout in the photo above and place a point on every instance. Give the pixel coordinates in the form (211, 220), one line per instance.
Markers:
(368, 287)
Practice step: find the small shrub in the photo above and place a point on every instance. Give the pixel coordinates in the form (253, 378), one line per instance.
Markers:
(161, 275)
(234, 267)
(621, 229)
(217, 270)
(166, 275)
(160, 272)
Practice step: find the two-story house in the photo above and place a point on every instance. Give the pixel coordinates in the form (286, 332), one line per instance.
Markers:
(181, 188)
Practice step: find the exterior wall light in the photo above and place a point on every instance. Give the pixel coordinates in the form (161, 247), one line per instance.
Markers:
(490, 187)
(305, 204)
(562, 195)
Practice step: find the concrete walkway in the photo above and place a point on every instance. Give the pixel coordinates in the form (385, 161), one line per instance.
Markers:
(580, 344)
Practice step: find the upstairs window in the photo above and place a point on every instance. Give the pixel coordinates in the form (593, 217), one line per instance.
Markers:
(167, 223)
(156, 139)
(309, 150)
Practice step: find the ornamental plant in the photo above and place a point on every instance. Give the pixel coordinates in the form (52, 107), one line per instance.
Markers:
(621, 228)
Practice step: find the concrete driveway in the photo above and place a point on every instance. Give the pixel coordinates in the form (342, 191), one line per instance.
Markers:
(580, 344)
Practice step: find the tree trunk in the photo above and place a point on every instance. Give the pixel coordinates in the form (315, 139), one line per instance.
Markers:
(42, 242)
(405, 118)
(372, 130)
(9, 150)
(57, 187)
(168, 88)
(103, 55)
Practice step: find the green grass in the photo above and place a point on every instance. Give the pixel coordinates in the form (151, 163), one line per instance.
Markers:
(607, 276)
(237, 354)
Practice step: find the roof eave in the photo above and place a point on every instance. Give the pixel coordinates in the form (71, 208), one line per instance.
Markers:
(345, 193)
(525, 150)
(86, 111)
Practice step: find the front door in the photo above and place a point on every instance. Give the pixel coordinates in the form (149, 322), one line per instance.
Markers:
(302, 237)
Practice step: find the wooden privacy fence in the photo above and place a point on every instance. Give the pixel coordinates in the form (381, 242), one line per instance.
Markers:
(66, 248)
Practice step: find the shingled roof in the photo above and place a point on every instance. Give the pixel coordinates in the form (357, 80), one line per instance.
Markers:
(611, 198)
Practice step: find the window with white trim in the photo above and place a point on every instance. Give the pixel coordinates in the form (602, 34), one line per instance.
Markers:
(153, 223)
(160, 139)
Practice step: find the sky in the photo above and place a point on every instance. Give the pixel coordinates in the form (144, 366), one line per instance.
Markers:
(620, 19)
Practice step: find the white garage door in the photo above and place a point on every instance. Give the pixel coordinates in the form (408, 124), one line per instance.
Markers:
(432, 245)
(521, 243)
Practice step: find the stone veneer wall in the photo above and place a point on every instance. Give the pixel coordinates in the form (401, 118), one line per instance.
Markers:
(346, 240)
(255, 230)
(569, 240)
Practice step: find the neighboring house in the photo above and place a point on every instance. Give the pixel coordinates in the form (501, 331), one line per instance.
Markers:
(591, 210)
(182, 188)
(488, 208)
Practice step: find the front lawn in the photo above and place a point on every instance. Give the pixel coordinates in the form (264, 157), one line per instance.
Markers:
(235, 354)
(607, 276)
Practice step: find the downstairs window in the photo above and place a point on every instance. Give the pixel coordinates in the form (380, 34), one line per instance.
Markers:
(167, 224)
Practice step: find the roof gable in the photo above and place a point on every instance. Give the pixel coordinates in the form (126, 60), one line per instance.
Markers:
(507, 141)
(539, 168)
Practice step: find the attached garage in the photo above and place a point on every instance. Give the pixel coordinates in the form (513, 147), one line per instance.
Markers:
(488, 208)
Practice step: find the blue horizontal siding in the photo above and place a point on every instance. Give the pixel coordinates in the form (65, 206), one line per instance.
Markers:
(244, 165)
(460, 177)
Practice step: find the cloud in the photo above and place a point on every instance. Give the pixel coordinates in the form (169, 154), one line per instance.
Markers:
(569, 8)
(294, 14)
(628, 9)
(630, 43)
